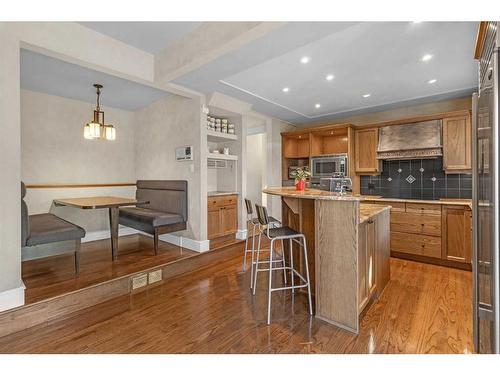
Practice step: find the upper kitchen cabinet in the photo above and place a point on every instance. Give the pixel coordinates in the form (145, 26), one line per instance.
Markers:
(457, 144)
(365, 146)
(296, 146)
(330, 142)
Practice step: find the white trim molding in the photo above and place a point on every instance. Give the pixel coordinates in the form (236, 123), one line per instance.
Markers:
(241, 234)
(105, 234)
(186, 243)
(12, 298)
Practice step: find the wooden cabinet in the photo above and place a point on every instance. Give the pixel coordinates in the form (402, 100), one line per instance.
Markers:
(373, 258)
(365, 146)
(296, 146)
(329, 142)
(435, 233)
(458, 235)
(457, 141)
(222, 218)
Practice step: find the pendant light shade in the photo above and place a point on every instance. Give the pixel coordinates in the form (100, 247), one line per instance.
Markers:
(97, 129)
(110, 133)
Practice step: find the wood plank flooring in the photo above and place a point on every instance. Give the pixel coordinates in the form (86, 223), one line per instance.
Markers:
(53, 276)
(424, 309)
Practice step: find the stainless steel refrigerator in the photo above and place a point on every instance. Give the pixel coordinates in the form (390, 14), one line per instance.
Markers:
(486, 197)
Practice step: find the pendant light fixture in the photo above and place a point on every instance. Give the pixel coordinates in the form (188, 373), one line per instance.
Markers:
(97, 129)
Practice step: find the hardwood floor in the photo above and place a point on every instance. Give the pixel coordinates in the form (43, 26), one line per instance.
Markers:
(424, 309)
(53, 276)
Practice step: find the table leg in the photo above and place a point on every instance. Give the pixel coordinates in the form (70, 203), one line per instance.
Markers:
(113, 227)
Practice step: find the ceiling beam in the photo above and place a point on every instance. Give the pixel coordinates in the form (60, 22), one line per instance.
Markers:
(205, 44)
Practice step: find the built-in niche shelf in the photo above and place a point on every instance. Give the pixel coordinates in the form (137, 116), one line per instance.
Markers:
(213, 136)
(214, 156)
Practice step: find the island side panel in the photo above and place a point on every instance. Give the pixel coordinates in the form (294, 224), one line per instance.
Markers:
(337, 262)
(383, 250)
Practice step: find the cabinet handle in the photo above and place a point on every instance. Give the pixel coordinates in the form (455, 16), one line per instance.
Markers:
(370, 221)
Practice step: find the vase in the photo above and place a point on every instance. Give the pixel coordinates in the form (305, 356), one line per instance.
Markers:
(300, 185)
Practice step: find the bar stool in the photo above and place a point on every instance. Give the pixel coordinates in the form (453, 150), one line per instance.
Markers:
(275, 234)
(254, 222)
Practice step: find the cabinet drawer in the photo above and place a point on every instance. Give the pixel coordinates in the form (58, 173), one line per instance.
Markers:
(229, 200)
(409, 222)
(418, 244)
(221, 201)
(424, 208)
(396, 206)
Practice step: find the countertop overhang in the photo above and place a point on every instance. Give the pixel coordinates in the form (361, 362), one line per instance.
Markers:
(291, 192)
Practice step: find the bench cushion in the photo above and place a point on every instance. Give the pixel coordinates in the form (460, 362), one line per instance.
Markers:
(47, 228)
(151, 217)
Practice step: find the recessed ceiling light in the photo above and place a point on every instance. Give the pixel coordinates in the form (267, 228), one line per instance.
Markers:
(285, 89)
(431, 81)
(366, 95)
(426, 57)
(317, 105)
(329, 77)
(416, 21)
(304, 60)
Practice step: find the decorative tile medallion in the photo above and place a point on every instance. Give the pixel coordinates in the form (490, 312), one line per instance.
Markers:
(433, 179)
(410, 179)
(389, 179)
(421, 170)
(400, 170)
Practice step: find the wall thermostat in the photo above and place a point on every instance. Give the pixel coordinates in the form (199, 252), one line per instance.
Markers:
(184, 153)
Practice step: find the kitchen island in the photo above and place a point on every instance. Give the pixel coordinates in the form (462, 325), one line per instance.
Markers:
(348, 250)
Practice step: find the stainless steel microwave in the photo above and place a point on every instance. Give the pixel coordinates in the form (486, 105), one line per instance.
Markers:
(329, 166)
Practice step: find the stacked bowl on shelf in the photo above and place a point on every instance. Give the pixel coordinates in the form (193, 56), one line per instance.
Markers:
(219, 125)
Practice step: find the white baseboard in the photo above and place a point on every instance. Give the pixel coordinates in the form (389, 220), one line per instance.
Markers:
(105, 234)
(187, 243)
(241, 234)
(12, 298)
(177, 240)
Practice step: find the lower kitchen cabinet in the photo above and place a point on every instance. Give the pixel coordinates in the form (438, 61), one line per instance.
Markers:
(458, 236)
(222, 218)
(373, 257)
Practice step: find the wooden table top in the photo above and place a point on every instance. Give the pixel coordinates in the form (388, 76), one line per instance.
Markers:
(96, 202)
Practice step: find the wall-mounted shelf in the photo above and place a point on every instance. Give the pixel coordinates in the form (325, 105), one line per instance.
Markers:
(215, 156)
(213, 136)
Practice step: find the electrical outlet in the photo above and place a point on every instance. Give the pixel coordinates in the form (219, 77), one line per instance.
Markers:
(139, 281)
(154, 276)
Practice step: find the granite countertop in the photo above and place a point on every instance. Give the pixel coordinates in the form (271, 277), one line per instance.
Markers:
(443, 201)
(291, 192)
(221, 193)
(367, 211)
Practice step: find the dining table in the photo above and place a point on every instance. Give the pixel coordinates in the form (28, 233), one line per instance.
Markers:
(113, 204)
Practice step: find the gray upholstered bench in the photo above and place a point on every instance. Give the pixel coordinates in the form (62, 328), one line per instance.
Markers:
(48, 228)
(165, 212)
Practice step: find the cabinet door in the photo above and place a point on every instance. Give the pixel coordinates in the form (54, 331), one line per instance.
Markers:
(362, 264)
(214, 223)
(457, 144)
(366, 142)
(457, 243)
(229, 220)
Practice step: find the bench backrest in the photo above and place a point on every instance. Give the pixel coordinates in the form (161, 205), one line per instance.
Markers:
(164, 195)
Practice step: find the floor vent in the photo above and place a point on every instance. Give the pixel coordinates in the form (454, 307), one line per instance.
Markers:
(139, 281)
(155, 276)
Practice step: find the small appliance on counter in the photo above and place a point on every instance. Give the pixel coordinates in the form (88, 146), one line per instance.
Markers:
(339, 185)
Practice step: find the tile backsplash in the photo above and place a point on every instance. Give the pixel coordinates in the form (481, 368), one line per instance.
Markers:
(416, 179)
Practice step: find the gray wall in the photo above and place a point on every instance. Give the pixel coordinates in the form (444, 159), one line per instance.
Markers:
(161, 128)
(54, 123)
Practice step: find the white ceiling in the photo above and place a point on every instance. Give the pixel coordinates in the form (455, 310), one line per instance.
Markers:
(379, 58)
(55, 77)
(151, 37)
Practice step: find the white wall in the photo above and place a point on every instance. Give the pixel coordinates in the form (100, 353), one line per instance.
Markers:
(162, 127)
(256, 166)
(54, 151)
(11, 287)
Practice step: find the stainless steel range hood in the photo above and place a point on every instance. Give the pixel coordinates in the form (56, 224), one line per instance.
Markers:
(420, 140)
